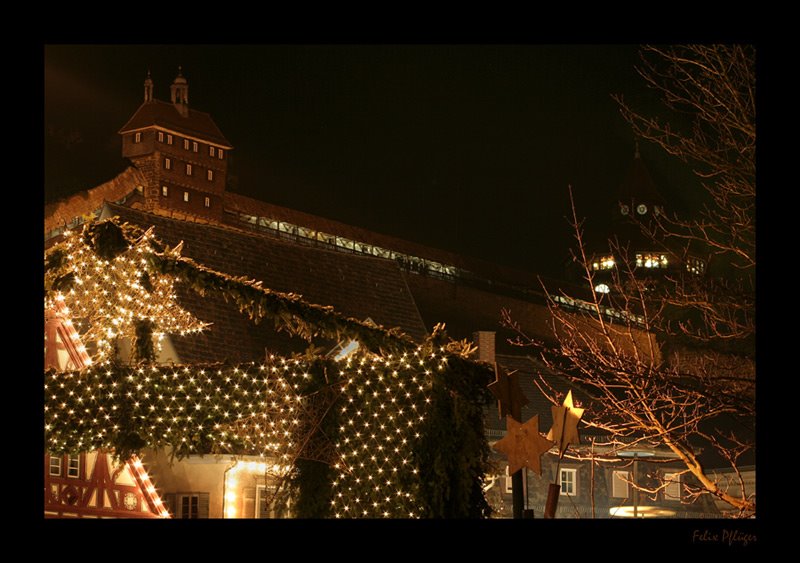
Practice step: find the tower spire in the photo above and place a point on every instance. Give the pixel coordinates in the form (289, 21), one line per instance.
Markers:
(148, 88)
(180, 93)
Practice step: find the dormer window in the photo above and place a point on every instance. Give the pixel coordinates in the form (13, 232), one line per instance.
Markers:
(194, 146)
(219, 154)
(169, 139)
(186, 144)
(160, 136)
(212, 151)
(137, 138)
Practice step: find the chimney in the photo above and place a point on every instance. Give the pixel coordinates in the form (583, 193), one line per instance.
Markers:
(485, 341)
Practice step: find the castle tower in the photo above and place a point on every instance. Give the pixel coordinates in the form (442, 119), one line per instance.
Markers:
(180, 151)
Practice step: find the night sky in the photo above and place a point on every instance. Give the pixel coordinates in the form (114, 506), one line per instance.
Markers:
(467, 148)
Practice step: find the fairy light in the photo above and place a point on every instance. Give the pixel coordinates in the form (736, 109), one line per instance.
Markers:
(110, 299)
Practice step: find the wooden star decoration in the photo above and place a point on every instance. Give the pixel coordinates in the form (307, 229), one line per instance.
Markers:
(565, 425)
(523, 445)
(510, 398)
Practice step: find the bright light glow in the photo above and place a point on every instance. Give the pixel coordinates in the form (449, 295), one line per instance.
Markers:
(347, 350)
(602, 288)
(642, 512)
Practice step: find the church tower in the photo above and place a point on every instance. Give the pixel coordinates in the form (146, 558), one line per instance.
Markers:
(181, 152)
(638, 207)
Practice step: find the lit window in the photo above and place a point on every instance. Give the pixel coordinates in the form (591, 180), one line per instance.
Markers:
(695, 266)
(188, 169)
(569, 482)
(164, 191)
(160, 136)
(194, 146)
(210, 175)
(212, 151)
(619, 484)
(602, 288)
(73, 466)
(509, 482)
(186, 144)
(219, 153)
(168, 163)
(672, 491)
(138, 137)
(186, 196)
(208, 202)
(55, 465)
(651, 260)
(604, 263)
(169, 139)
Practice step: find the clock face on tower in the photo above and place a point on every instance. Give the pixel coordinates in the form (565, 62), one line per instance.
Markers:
(641, 209)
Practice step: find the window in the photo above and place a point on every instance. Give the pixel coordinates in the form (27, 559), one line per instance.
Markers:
(160, 136)
(569, 482)
(651, 260)
(208, 202)
(73, 466)
(508, 482)
(168, 163)
(169, 139)
(194, 146)
(137, 138)
(603, 263)
(188, 169)
(269, 507)
(212, 151)
(55, 465)
(219, 153)
(186, 144)
(673, 489)
(619, 484)
(164, 191)
(190, 505)
(210, 175)
(186, 196)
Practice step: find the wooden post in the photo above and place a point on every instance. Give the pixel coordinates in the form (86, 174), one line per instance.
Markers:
(553, 492)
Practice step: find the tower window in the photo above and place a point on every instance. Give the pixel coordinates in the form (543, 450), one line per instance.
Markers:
(160, 136)
(186, 144)
(219, 153)
(169, 139)
(137, 138)
(188, 169)
(194, 146)
(208, 202)
(164, 191)
(212, 151)
(186, 196)
(168, 163)
(210, 175)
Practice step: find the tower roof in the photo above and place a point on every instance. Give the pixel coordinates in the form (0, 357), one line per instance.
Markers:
(638, 185)
(164, 114)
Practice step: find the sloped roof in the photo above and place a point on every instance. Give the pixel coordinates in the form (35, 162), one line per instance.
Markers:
(164, 114)
(246, 205)
(357, 286)
(528, 370)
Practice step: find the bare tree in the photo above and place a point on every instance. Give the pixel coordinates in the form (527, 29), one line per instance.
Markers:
(675, 362)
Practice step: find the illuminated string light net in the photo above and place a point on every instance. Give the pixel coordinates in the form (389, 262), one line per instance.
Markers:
(105, 298)
(254, 409)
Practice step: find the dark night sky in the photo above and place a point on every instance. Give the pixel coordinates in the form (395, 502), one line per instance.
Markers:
(468, 148)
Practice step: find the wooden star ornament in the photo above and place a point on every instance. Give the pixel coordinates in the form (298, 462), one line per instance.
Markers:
(565, 425)
(510, 398)
(523, 445)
